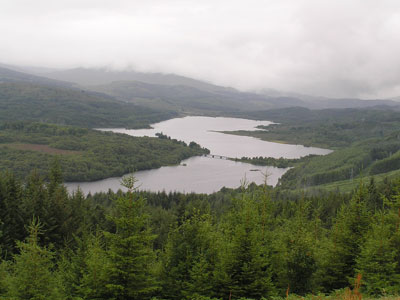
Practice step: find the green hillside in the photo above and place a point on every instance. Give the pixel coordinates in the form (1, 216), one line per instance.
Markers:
(84, 154)
(366, 142)
(32, 102)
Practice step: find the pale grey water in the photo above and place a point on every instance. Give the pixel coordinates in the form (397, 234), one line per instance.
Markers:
(200, 175)
(203, 174)
(202, 130)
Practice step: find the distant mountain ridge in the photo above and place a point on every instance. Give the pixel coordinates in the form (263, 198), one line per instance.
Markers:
(26, 101)
(8, 75)
(101, 76)
(179, 93)
(128, 85)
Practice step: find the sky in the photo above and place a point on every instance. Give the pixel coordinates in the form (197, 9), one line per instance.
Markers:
(332, 48)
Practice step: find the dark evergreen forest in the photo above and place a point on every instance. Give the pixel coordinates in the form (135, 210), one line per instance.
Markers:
(255, 242)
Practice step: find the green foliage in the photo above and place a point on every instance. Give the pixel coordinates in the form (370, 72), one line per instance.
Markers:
(366, 142)
(387, 164)
(84, 154)
(31, 273)
(190, 259)
(31, 102)
(342, 164)
(326, 128)
(347, 236)
(247, 260)
(377, 261)
(250, 243)
(274, 162)
(297, 243)
(130, 252)
(11, 217)
(95, 276)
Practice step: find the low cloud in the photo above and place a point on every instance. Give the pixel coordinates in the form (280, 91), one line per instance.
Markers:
(319, 47)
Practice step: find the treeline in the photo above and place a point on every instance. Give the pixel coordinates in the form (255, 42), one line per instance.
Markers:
(274, 162)
(254, 242)
(85, 154)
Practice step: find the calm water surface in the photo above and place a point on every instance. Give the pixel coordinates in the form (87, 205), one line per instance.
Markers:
(200, 175)
(203, 130)
(204, 174)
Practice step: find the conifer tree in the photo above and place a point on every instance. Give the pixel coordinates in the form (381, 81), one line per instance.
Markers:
(189, 259)
(247, 265)
(35, 198)
(347, 237)
(374, 199)
(377, 261)
(296, 246)
(32, 275)
(95, 276)
(55, 175)
(11, 216)
(130, 248)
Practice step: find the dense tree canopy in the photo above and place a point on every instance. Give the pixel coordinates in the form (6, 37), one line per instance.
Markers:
(253, 242)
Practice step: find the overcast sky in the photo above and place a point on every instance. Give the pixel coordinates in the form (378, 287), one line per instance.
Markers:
(336, 48)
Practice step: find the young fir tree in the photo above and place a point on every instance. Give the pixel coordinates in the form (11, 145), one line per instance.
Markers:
(247, 259)
(377, 262)
(95, 276)
(130, 248)
(55, 175)
(35, 200)
(11, 216)
(374, 199)
(32, 273)
(189, 259)
(347, 237)
(295, 243)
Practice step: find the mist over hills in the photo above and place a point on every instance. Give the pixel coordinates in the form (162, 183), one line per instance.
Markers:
(175, 93)
(29, 97)
(130, 85)
(101, 76)
(9, 75)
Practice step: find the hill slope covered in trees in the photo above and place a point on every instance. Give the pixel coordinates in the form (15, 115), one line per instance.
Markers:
(32, 102)
(252, 243)
(366, 142)
(84, 154)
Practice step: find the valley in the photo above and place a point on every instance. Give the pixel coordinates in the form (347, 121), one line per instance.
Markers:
(198, 219)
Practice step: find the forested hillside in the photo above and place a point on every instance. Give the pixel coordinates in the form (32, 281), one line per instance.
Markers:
(31, 102)
(366, 142)
(84, 154)
(252, 243)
